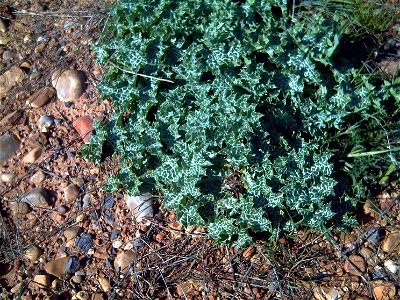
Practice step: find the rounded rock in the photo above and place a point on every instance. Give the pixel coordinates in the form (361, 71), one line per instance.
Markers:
(41, 97)
(70, 84)
(391, 242)
(19, 208)
(72, 232)
(9, 55)
(117, 244)
(325, 293)
(38, 177)
(82, 295)
(123, 261)
(7, 177)
(140, 206)
(104, 284)
(71, 192)
(45, 122)
(9, 144)
(2, 26)
(33, 253)
(391, 266)
(77, 279)
(62, 209)
(32, 155)
(37, 197)
(17, 288)
(359, 265)
(370, 256)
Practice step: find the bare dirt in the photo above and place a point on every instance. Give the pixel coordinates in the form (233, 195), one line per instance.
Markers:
(96, 232)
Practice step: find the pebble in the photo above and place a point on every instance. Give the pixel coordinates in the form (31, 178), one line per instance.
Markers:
(38, 177)
(2, 26)
(370, 208)
(391, 266)
(115, 234)
(32, 155)
(363, 298)
(9, 55)
(375, 235)
(123, 261)
(384, 290)
(11, 78)
(84, 127)
(325, 293)
(86, 201)
(104, 284)
(69, 84)
(77, 279)
(57, 267)
(389, 67)
(62, 209)
(84, 242)
(41, 97)
(73, 265)
(4, 39)
(9, 145)
(108, 201)
(19, 208)
(7, 177)
(17, 288)
(370, 256)
(56, 283)
(71, 192)
(80, 218)
(45, 122)
(249, 252)
(33, 253)
(391, 242)
(98, 296)
(37, 197)
(82, 295)
(42, 280)
(117, 244)
(72, 232)
(359, 262)
(140, 206)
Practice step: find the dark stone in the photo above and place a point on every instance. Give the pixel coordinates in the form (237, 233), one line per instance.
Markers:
(108, 201)
(68, 104)
(115, 234)
(72, 265)
(375, 235)
(94, 215)
(84, 242)
(109, 216)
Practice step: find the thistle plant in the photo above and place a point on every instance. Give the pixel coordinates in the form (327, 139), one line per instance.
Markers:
(237, 114)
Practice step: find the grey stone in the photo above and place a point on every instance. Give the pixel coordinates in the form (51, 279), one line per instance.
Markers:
(141, 206)
(38, 197)
(9, 145)
(84, 242)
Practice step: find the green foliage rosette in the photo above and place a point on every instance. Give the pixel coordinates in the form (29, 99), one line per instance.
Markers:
(237, 113)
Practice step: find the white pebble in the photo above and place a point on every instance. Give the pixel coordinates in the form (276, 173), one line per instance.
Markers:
(117, 244)
(391, 266)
